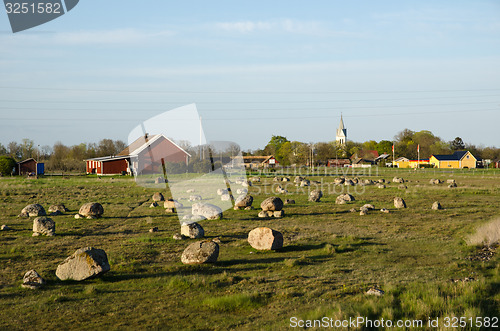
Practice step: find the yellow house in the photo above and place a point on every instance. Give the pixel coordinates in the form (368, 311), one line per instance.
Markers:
(402, 162)
(459, 159)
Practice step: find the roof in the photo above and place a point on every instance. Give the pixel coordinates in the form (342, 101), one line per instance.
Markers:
(27, 160)
(382, 157)
(143, 142)
(261, 159)
(108, 158)
(457, 156)
(401, 158)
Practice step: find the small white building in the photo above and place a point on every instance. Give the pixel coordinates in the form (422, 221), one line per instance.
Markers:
(341, 137)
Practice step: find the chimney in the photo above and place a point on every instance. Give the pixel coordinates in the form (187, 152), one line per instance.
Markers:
(146, 136)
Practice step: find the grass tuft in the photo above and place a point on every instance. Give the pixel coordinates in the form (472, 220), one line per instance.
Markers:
(486, 235)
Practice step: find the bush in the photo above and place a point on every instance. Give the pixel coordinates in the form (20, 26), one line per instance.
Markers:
(488, 234)
(6, 165)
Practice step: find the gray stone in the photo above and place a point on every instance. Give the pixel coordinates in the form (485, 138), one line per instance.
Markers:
(243, 201)
(435, 181)
(315, 195)
(399, 202)
(85, 263)
(160, 180)
(155, 229)
(178, 236)
(304, 183)
(222, 191)
(369, 206)
(225, 197)
(172, 204)
(91, 209)
(195, 198)
(33, 280)
(192, 230)
(272, 204)
(60, 209)
(201, 252)
(279, 213)
(289, 202)
(264, 238)
(343, 198)
(153, 205)
(209, 211)
(158, 197)
(44, 226)
(375, 291)
(398, 180)
(384, 210)
(436, 205)
(33, 210)
(5, 228)
(262, 214)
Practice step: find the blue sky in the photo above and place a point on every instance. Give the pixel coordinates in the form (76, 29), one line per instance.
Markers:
(256, 69)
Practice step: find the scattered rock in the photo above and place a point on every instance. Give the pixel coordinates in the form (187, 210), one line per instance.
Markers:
(384, 210)
(172, 204)
(348, 182)
(85, 263)
(206, 210)
(178, 236)
(249, 208)
(158, 197)
(368, 206)
(363, 211)
(339, 181)
(201, 252)
(436, 205)
(222, 191)
(277, 179)
(195, 198)
(91, 209)
(225, 197)
(32, 280)
(160, 180)
(216, 240)
(281, 190)
(343, 198)
(298, 179)
(153, 205)
(451, 181)
(33, 210)
(285, 179)
(77, 216)
(5, 228)
(380, 186)
(315, 195)
(435, 181)
(375, 291)
(279, 213)
(243, 201)
(304, 183)
(192, 230)
(381, 181)
(262, 214)
(190, 191)
(399, 202)
(241, 191)
(155, 229)
(402, 187)
(255, 179)
(398, 180)
(44, 226)
(263, 238)
(452, 185)
(289, 202)
(58, 209)
(272, 204)
(352, 210)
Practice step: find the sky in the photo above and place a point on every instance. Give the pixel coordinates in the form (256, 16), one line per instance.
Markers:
(255, 69)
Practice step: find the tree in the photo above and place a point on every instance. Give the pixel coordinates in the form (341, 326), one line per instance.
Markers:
(14, 150)
(3, 150)
(384, 146)
(324, 151)
(7, 164)
(370, 145)
(457, 144)
(27, 149)
(274, 146)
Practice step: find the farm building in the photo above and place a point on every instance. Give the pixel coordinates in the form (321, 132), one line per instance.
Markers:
(338, 162)
(29, 166)
(459, 159)
(255, 162)
(404, 162)
(146, 154)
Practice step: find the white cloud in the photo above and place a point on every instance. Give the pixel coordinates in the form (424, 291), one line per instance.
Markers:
(244, 26)
(111, 37)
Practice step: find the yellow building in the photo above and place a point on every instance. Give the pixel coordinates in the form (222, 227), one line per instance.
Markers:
(403, 162)
(459, 159)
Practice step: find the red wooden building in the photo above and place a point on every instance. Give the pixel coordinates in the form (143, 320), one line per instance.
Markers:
(146, 154)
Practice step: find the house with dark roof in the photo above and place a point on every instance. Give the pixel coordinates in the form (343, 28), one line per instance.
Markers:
(147, 154)
(457, 160)
(255, 162)
(338, 162)
(29, 167)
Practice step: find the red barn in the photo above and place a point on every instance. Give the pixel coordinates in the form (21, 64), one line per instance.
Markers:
(27, 166)
(147, 153)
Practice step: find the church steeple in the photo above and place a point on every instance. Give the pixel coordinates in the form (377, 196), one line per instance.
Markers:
(341, 132)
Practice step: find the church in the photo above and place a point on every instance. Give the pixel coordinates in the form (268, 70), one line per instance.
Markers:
(341, 137)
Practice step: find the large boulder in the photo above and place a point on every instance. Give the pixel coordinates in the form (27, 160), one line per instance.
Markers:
(315, 195)
(33, 210)
(272, 204)
(263, 238)
(85, 263)
(344, 198)
(192, 230)
(222, 191)
(158, 197)
(91, 209)
(209, 211)
(243, 201)
(434, 181)
(32, 280)
(339, 180)
(201, 252)
(58, 209)
(160, 180)
(398, 180)
(399, 202)
(172, 204)
(44, 226)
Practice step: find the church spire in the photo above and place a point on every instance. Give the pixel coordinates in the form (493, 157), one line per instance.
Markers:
(341, 132)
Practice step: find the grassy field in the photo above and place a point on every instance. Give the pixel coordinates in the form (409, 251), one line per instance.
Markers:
(331, 257)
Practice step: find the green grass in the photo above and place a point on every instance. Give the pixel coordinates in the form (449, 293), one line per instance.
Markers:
(330, 259)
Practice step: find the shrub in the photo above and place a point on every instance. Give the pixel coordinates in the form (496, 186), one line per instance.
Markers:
(487, 234)
(6, 165)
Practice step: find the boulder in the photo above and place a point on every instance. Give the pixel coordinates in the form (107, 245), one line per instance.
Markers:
(384, 210)
(435, 181)
(172, 204)
(241, 191)
(289, 202)
(272, 204)
(339, 181)
(209, 211)
(343, 198)
(32, 280)
(262, 214)
(380, 185)
(304, 183)
(5, 228)
(178, 236)
(85, 263)
(160, 180)
(369, 206)
(381, 181)
(315, 195)
(363, 211)
(402, 187)
(225, 197)
(285, 179)
(277, 179)
(153, 204)
(59, 209)
(452, 185)
(278, 213)
(436, 205)
(91, 209)
(222, 191)
(399, 202)
(33, 210)
(298, 179)
(201, 252)
(243, 201)
(375, 291)
(450, 181)
(158, 197)
(348, 182)
(192, 230)
(44, 226)
(398, 180)
(263, 238)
